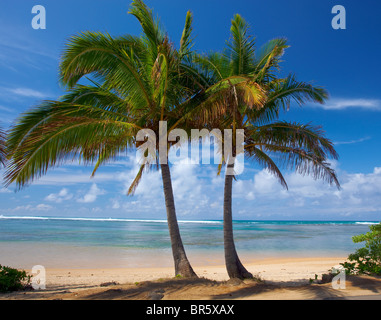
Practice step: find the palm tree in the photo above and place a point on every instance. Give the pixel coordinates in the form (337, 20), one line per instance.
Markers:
(136, 82)
(2, 147)
(244, 92)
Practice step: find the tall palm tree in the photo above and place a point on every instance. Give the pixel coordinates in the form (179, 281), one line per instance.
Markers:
(244, 92)
(136, 82)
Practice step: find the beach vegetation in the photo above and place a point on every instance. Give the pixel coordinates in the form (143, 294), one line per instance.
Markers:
(313, 280)
(366, 260)
(12, 279)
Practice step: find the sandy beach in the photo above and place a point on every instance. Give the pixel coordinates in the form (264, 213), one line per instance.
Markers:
(276, 279)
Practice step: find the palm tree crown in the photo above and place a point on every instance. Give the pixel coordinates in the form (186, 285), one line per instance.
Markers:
(134, 83)
(243, 91)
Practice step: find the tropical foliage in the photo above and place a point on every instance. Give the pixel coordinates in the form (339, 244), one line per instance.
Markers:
(2, 147)
(120, 85)
(134, 83)
(245, 92)
(368, 258)
(12, 279)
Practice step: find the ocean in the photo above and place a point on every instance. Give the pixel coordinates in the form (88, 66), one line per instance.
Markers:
(60, 242)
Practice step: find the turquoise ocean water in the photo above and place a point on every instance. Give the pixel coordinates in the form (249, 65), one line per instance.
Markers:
(84, 242)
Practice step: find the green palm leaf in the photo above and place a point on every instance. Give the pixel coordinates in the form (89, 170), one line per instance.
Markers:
(2, 147)
(298, 147)
(186, 42)
(243, 91)
(55, 141)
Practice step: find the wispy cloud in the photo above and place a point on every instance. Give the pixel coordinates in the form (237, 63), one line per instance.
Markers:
(2, 108)
(75, 178)
(4, 190)
(344, 103)
(26, 48)
(27, 92)
(39, 207)
(337, 143)
(20, 47)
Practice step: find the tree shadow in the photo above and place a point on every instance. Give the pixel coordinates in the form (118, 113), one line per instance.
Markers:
(281, 291)
(202, 288)
(50, 292)
(298, 290)
(171, 289)
(151, 290)
(372, 283)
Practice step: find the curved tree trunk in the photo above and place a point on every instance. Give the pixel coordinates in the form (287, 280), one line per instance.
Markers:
(234, 266)
(182, 265)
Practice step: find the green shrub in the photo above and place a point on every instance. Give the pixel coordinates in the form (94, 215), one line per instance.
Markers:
(12, 279)
(366, 260)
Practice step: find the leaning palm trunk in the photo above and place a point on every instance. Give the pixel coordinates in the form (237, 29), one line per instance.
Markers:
(182, 265)
(234, 266)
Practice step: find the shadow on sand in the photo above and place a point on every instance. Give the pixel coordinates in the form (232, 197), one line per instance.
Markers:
(201, 289)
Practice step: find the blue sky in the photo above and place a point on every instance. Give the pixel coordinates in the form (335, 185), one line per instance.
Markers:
(345, 62)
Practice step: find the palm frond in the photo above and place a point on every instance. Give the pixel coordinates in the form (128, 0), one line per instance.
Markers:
(152, 30)
(135, 183)
(282, 92)
(50, 146)
(135, 83)
(186, 42)
(301, 92)
(294, 135)
(214, 66)
(268, 59)
(241, 47)
(108, 59)
(298, 147)
(2, 147)
(305, 163)
(266, 162)
(61, 130)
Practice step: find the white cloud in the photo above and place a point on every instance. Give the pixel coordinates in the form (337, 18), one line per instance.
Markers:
(184, 180)
(63, 195)
(359, 196)
(337, 143)
(43, 207)
(19, 48)
(70, 178)
(39, 207)
(92, 194)
(150, 185)
(265, 183)
(27, 92)
(191, 192)
(2, 108)
(4, 190)
(216, 204)
(344, 103)
(115, 204)
(366, 187)
(198, 194)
